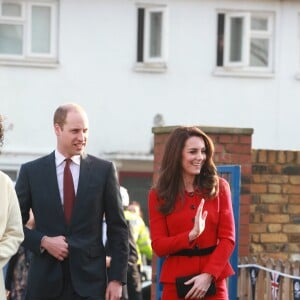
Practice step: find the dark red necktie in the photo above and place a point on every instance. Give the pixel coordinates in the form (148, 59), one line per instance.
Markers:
(69, 191)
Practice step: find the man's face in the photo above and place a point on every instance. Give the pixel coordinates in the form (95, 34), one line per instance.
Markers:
(72, 137)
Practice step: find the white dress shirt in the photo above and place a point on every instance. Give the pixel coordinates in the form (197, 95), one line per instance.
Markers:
(60, 165)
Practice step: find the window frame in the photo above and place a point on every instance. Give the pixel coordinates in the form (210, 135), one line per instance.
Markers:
(7, 20)
(245, 40)
(28, 57)
(148, 63)
(266, 35)
(21, 18)
(147, 36)
(248, 34)
(53, 28)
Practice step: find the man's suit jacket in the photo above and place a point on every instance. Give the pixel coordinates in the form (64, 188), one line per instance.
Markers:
(97, 193)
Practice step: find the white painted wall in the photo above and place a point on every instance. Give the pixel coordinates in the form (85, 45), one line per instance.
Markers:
(97, 46)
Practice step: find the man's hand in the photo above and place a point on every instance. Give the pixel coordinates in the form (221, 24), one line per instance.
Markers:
(108, 260)
(113, 290)
(57, 246)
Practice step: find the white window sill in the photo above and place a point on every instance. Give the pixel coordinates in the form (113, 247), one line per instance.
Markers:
(151, 67)
(30, 63)
(242, 73)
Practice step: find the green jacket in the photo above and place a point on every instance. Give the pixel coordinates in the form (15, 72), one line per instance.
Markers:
(140, 235)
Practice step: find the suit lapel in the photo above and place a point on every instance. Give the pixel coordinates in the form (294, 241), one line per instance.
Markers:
(52, 184)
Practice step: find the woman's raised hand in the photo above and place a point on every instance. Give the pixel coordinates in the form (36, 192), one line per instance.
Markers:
(199, 224)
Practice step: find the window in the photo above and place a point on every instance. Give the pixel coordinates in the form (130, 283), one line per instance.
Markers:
(28, 32)
(151, 37)
(245, 42)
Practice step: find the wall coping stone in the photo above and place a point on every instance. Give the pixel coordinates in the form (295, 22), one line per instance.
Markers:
(208, 130)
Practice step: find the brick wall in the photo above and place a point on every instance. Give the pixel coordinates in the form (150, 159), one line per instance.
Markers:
(275, 206)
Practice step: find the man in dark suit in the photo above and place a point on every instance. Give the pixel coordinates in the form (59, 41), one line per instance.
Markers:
(68, 260)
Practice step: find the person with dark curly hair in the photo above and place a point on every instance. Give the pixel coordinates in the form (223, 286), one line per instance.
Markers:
(191, 219)
(11, 228)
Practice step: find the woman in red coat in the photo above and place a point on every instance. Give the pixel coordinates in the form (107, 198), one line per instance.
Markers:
(191, 218)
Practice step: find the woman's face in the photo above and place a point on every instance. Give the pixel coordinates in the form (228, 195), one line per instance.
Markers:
(193, 156)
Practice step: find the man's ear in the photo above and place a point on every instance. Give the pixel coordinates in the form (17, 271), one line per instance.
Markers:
(57, 129)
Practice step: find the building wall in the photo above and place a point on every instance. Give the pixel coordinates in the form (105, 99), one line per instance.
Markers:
(96, 68)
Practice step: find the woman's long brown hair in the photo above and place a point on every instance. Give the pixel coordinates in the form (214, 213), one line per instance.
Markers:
(170, 182)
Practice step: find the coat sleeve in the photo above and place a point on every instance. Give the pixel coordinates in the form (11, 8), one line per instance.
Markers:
(32, 237)
(162, 243)
(11, 229)
(117, 229)
(226, 233)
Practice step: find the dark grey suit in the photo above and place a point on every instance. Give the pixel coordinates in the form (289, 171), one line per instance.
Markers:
(97, 193)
